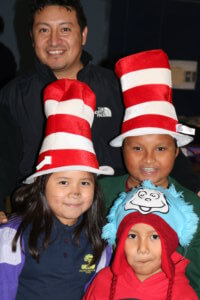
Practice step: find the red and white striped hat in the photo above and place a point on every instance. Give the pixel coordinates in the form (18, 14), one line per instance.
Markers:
(147, 93)
(69, 107)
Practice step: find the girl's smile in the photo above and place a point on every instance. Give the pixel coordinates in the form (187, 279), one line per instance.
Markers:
(69, 194)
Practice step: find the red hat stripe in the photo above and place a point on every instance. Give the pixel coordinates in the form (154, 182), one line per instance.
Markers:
(144, 121)
(145, 93)
(62, 90)
(69, 124)
(68, 157)
(146, 76)
(142, 60)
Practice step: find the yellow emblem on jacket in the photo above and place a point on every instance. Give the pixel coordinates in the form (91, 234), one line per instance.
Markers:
(87, 268)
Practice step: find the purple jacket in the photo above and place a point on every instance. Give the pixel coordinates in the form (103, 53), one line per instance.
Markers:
(11, 263)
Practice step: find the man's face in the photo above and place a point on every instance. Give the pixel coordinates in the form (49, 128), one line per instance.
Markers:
(150, 157)
(58, 40)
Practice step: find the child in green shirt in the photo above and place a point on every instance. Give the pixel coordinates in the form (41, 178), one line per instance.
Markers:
(150, 138)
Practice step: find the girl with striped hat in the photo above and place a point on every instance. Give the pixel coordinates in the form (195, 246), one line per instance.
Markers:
(53, 247)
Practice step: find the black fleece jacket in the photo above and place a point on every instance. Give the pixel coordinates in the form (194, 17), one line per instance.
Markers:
(24, 98)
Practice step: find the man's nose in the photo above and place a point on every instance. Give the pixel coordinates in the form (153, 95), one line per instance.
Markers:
(54, 38)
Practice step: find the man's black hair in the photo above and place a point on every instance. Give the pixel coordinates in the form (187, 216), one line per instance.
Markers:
(38, 5)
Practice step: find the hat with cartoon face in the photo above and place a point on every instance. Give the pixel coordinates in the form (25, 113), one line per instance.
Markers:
(164, 209)
(69, 107)
(147, 94)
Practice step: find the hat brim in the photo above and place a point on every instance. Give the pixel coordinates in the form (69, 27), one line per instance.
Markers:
(182, 139)
(103, 170)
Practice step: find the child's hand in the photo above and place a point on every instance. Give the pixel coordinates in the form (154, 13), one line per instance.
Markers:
(3, 218)
(198, 193)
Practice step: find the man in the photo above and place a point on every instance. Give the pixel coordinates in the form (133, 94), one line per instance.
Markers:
(59, 31)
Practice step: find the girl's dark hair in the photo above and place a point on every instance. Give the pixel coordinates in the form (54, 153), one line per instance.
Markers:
(34, 210)
(38, 5)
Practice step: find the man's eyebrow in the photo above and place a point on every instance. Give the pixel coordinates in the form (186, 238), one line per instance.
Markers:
(48, 24)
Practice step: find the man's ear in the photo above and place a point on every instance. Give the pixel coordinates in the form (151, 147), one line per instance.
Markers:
(84, 35)
(32, 40)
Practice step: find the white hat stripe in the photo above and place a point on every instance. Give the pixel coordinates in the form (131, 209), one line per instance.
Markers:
(66, 141)
(152, 107)
(71, 107)
(146, 76)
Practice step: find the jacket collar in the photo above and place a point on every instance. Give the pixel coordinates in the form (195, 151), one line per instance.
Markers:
(46, 74)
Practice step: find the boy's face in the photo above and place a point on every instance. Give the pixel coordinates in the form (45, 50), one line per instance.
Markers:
(150, 157)
(69, 194)
(143, 250)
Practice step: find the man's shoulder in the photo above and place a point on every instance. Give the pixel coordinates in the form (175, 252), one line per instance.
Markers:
(20, 81)
(24, 86)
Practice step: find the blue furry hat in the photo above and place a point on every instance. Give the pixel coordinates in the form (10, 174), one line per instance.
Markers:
(166, 203)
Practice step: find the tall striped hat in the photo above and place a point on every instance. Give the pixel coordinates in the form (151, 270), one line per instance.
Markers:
(147, 93)
(69, 107)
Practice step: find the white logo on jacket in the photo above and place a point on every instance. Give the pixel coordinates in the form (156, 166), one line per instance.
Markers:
(103, 112)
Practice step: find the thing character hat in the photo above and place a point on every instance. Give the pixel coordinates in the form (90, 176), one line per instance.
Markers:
(147, 94)
(69, 107)
(164, 209)
(167, 204)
